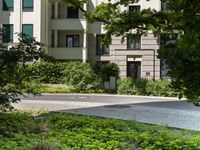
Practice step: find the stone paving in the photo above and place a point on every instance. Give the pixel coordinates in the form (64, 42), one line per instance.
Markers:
(169, 112)
(154, 115)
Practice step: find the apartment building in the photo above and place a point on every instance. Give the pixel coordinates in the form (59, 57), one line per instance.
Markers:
(23, 16)
(70, 37)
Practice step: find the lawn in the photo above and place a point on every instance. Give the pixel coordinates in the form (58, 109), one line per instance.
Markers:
(55, 131)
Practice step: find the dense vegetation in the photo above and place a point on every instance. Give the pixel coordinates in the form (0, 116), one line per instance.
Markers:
(146, 87)
(86, 78)
(76, 74)
(65, 131)
(11, 59)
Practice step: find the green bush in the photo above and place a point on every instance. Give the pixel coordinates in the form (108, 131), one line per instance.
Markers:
(145, 87)
(126, 86)
(45, 72)
(77, 74)
(104, 71)
(140, 85)
(80, 75)
(160, 88)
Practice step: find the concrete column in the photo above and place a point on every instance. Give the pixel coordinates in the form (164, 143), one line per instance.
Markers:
(56, 38)
(84, 56)
(85, 6)
(84, 38)
(17, 20)
(56, 10)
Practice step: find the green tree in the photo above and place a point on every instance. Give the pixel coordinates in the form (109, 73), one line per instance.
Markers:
(80, 75)
(180, 16)
(11, 59)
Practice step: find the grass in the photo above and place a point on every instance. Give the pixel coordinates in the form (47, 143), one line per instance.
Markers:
(55, 131)
(47, 89)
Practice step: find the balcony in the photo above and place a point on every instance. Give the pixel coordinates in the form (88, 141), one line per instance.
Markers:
(68, 24)
(74, 53)
(66, 18)
(68, 45)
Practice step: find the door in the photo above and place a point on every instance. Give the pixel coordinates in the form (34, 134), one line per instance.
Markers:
(134, 69)
(69, 41)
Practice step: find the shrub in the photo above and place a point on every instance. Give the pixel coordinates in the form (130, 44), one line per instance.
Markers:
(46, 72)
(80, 75)
(140, 85)
(145, 87)
(160, 88)
(104, 71)
(126, 86)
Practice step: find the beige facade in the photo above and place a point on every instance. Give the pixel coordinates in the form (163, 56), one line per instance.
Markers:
(70, 37)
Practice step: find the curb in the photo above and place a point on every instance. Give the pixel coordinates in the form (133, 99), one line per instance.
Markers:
(111, 95)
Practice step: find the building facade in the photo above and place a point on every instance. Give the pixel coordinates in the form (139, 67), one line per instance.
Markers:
(70, 37)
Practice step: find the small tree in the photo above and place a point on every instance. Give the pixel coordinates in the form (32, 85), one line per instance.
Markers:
(80, 75)
(11, 78)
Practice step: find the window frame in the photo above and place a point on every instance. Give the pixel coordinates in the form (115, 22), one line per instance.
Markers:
(5, 8)
(71, 15)
(105, 50)
(5, 39)
(27, 8)
(134, 10)
(134, 48)
(32, 29)
(73, 41)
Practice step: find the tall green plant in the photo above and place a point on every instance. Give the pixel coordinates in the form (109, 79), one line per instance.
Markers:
(80, 75)
(104, 71)
(10, 58)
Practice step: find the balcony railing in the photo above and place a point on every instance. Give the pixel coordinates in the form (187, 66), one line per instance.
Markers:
(75, 53)
(68, 24)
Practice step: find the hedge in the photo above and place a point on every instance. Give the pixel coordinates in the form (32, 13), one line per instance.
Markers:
(145, 87)
(77, 74)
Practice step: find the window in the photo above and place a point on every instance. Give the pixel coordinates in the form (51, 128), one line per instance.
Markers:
(72, 12)
(27, 29)
(7, 4)
(53, 11)
(52, 39)
(134, 42)
(135, 8)
(8, 33)
(101, 48)
(72, 41)
(28, 5)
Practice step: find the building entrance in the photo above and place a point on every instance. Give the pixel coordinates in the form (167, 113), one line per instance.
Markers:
(134, 69)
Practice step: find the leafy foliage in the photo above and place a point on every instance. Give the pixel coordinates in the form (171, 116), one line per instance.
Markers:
(67, 131)
(80, 75)
(45, 72)
(104, 71)
(11, 79)
(126, 86)
(145, 87)
(160, 88)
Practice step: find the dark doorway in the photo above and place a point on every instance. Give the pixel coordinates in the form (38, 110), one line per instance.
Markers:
(134, 69)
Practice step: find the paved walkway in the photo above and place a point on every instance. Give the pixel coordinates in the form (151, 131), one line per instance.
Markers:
(166, 111)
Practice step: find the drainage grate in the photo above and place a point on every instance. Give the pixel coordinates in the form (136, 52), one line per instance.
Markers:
(80, 97)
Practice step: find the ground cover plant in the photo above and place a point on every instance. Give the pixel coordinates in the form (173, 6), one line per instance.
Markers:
(66, 131)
